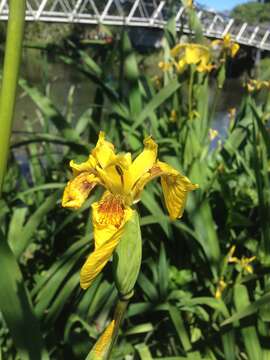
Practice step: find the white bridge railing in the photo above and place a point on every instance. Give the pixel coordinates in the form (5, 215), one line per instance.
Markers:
(140, 13)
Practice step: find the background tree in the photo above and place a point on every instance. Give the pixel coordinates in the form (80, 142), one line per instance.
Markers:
(252, 12)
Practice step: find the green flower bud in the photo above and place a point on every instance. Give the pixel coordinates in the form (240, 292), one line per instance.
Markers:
(127, 257)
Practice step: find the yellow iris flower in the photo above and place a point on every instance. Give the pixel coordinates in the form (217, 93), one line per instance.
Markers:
(212, 133)
(229, 47)
(244, 262)
(256, 85)
(221, 286)
(123, 180)
(192, 54)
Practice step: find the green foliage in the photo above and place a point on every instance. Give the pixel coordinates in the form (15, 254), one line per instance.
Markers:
(252, 12)
(175, 312)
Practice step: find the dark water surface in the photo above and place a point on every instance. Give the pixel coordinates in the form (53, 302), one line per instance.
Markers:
(57, 79)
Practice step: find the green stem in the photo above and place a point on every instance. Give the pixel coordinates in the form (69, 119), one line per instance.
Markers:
(13, 51)
(118, 317)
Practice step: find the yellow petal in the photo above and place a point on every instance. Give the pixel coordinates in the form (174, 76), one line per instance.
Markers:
(104, 151)
(112, 178)
(212, 133)
(113, 175)
(234, 49)
(175, 189)
(181, 65)
(227, 40)
(248, 269)
(196, 53)
(143, 163)
(216, 43)
(177, 49)
(102, 345)
(87, 166)
(108, 223)
(218, 294)
(192, 55)
(174, 185)
(78, 189)
(231, 252)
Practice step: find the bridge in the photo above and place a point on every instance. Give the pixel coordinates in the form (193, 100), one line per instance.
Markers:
(141, 13)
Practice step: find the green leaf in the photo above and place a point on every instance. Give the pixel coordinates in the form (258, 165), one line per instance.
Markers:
(155, 102)
(163, 273)
(16, 226)
(50, 111)
(140, 329)
(148, 288)
(229, 345)
(143, 351)
(21, 243)
(249, 332)
(177, 320)
(17, 309)
(248, 310)
(152, 205)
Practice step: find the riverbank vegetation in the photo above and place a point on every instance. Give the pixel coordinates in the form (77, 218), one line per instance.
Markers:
(203, 288)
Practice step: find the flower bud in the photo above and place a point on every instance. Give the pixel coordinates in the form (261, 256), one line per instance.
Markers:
(127, 257)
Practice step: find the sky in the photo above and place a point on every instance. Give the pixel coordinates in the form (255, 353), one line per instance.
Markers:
(221, 4)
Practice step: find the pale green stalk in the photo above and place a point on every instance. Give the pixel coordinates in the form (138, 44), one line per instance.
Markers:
(190, 93)
(13, 52)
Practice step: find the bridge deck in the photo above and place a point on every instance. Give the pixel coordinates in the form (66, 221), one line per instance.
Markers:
(140, 13)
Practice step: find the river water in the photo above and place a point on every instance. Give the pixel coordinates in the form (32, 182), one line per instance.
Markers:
(57, 78)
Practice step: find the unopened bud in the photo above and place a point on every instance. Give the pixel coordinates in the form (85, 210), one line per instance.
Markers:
(127, 257)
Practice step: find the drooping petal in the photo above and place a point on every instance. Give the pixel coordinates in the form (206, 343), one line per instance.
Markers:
(143, 163)
(104, 151)
(109, 217)
(78, 189)
(175, 189)
(174, 185)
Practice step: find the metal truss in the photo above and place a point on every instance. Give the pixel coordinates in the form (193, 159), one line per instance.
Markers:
(141, 13)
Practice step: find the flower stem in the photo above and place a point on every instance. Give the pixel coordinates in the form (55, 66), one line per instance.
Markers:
(13, 51)
(119, 314)
(190, 93)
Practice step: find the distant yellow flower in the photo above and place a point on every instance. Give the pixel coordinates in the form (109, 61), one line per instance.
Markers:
(213, 133)
(157, 81)
(164, 65)
(228, 46)
(192, 54)
(244, 262)
(230, 254)
(190, 4)
(256, 85)
(221, 286)
(232, 113)
(173, 116)
(123, 180)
